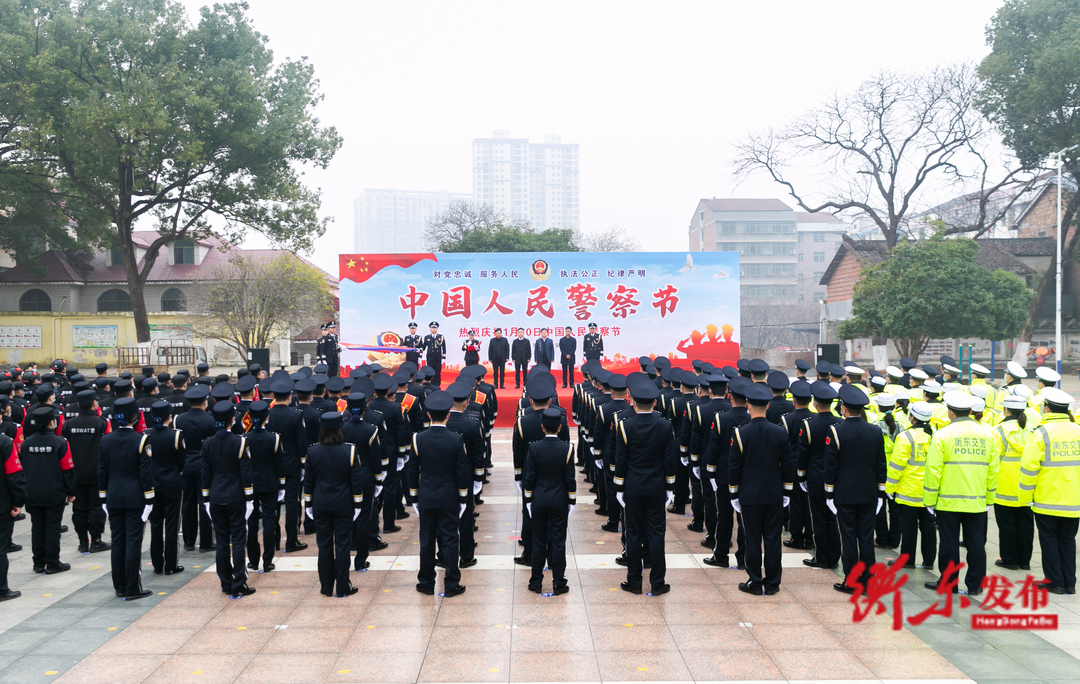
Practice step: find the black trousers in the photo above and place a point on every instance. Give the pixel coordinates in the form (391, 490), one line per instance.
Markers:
(292, 511)
(391, 495)
(916, 520)
(645, 520)
(1016, 533)
(856, 523)
(725, 514)
(127, 537)
(498, 370)
(196, 525)
(268, 510)
(682, 486)
(1057, 540)
(362, 529)
(231, 530)
(697, 498)
(332, 368)
(7, 526)
(887, 524)
(436, 365)
(549, 543)
(86, 515)
(441, 524)
(526, 531)
(45, 534)
(949, 524)
(466, 545)
(826, 532)
(164, 529)
(799, 517)
(764, 529)
(333, 533)
(568, 372)
(605, 483)
(520, 369)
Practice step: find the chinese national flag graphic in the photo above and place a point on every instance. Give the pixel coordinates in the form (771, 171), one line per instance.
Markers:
(360, 267)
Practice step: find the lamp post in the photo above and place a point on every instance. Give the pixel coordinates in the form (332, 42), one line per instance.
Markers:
(1060, 156)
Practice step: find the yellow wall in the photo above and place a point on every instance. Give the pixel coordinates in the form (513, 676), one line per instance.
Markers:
(56, 336)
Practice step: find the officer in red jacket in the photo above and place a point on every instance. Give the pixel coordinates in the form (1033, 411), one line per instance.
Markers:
(12, 499)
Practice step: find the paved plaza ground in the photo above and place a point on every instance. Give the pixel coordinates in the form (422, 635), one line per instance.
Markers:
(71, 628)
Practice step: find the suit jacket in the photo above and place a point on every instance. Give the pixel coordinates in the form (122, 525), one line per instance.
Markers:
(439, 475)
(549, 473)
(498, 350)
(333, 479)
(521, 350)
(544, 351)
(567, 346)
(761, 470)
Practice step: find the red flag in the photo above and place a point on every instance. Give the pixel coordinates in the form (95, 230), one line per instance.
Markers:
(360, 267)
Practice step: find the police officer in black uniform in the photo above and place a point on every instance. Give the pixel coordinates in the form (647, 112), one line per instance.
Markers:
(414, 342)
(228, 493)
(167, 447)
(779, 405)
(398, 440)
(289, 424)
(459, 423)
(644, 483)
(702, 432)
(84, 431)
(471, 347)
(50, 483)
(603, 448)
(717, 471)
(268, 480)
(331, 350)
(810, 470)
(855, 481)
(761, 475)
(526, 431)
(435, 351)
(196, 425)
(12, 499)
(799, 510)
(439, 484)
(126, 479)
(593, 345)
(365, 435)
(550, 492)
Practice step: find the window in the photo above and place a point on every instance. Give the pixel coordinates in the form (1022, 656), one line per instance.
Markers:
(115, 259)
(818, 275)
(35, 300)
(819, 237)
(114, 300)
(727, 227)
(183, 252)
(173, 299)
(702, 216)
(819, 257)
(800, 237)
(800, 257)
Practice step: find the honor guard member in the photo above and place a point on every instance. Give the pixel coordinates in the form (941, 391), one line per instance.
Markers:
(603, 449)
(761, 475)
(331, 350)
(83, 433)
(435, 351)
(167, 447)
(855, 472)
(1050, 482)
(593, 345)
(1015, 523)
(476, 452)
(471, 347)
(12, 499)
(521, 354)
(50, 483)
(414, 342)
(333, 498)
(289, 424)
(268, 482)
(960, 482)
(716, 479)
(126, 481)
(904, 485)
(228, 493)
(196, 425)
(802, 536)
(810, 469)
(550, 493)
(498, 355)
(439, 486)
(567, 356)
(700, 444)
(779, 405)
(644, 483)
(365, 435)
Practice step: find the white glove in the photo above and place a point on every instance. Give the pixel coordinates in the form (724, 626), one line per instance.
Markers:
(528, 507)
(714, 485)
(206, 507)
(880, 501)
(696, 470)
(670, 498)
(891, 495)
(802, 486)
(355, 514)
(831, 505)
(461, 510)
(249, 508)
(146, 511)
(599, 463)
(571, 509)
(309, 512)
(416, 509)
(619, 498)
(400, 464)
(280, 495)
(378, 491)
(787, 501)
(301, 474)
(520, 489)
(685, 460)
(476, 487)
(105, 510)
(736, 505)
(931, 509)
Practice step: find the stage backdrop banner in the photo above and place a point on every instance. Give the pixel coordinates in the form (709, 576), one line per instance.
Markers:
(644, 303)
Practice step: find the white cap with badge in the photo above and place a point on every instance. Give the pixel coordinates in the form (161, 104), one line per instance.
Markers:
(1016, 370)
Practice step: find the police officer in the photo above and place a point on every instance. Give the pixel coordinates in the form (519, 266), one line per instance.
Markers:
(196, 425)
(527, 430)
(471, 347)
(331, 350)
(167, 447)
(470, 430)
(855, 481)
(716, 475)
(126, 479)
(550, 492)
(358, 430)
(644, 483)
(289, 424)
(593, 345)
(779, 405)
(398, 438)
(761, 475)
(1015, 523)
(268, 481)
(414, 342)
(800, 526)
(228, 494)
(435, 351)
(810, 470)
(50, 483)
(1049, 474)
(83, 432)
(603, 449)
(439, 485)
(904, 485)
(12, 499)
(333, 496)
(698, 451)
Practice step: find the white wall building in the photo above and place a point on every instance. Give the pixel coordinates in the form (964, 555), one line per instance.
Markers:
(537, 182)
(388, 220)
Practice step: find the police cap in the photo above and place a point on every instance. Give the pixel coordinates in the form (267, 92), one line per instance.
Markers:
(412, 325)
(1015, 402)
(757, 394)
(918, 374)
(246, 383)
(148, 384)
(161, 409)
(538, 389)
(320, 379)
(800, 389)
(202, 368)
(877, 381)
(906, 363)
(43, 392)
(738, 386)
(382, 381)
(636, 376)
(101, 367)
(1052, 396)
(961, 401)
(331, 420)
(822, 368)
(717, 381)
(223, 411)
(822, 391)
(321, 368)
(121, 407)
(617, 381)
(551, 418)
(76, 377)
(364, 385)
(688, 378)
(730, 372)
(196, 393)
(665, 374)
(644, 360)
(836, 370)
(921, 410)
(757, 366)
(778, 380)
(428, 372)
(433, 324)
(850, 395)
(306, 371)
(335, 385)
(409, 367)
(644, 391)
(357, 400)
(1047, 374)
(695, 364)
(282, 386)
(86, 398)
(439, 401)
(802, 365)
(932, 387)
(460, 391)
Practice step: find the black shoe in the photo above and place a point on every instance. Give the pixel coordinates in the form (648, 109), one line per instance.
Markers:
(210, 549)
(716, 562)
(97, 546)
(12, 548)
(39, 569)
(467, 563)
(600, 511)
(811, 563)
(349, 592)
(934, 586)
(430, 591)
(158, 571)
(478, 502)
(677, 511)
(521, 560)
(391, 530)
(1070, 590)
(378, 546)
(476, 514)
(843, 588)
(253, 566)
(8, 594)
(792, 544)
(1054, 590)
(610, 527)
(298, 546)
(454, 591)
(661, 589)
(402, 515)
(63, 528)
(695, 528)
(1008, 566)
(626, 586)
(367, 565)
(63, 567)
(975, 592)
(1025, 567)
(592, 490)
(708, 543)
(621, 560)
(536, 588)
(475, 528)
(907, 566)
(439, 563)
(772, 591)
(188, 548)
(566, 590)
(180, 568)
(142, 594)
(84, 548)
(244, 590)
(521, 542)
(750, 588)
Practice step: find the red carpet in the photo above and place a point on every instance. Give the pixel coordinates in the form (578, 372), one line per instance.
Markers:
(508, 403)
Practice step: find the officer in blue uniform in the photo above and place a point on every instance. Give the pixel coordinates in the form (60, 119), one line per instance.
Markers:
(228, 494)
(435, 351)
(550, 492)
(413, 342)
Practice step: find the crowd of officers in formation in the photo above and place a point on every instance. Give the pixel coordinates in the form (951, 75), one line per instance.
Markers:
(850, 461)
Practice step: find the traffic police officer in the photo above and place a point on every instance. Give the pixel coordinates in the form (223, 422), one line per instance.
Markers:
(593, 345)
(435, 351)
(904, 485)
(413, 342)
(1016, 526)
(550, 492)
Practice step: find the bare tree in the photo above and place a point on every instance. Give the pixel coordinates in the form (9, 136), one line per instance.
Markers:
(461, 218)
(880, 150)
(613, 239)
(780, 322)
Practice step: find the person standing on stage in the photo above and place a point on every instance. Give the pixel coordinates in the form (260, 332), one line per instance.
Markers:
(567, 356)
(593, 345)
(521, 354)
(544, 349)
(498, 354)
(435, 351)
(471, 347)
(413, 342)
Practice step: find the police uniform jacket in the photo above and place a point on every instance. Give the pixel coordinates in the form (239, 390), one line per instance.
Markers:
(716, 463)
(793, 423)
(435, 346)
(778, 407)
(593, 346)
(83, 433)
(498, 350)
(644, 455)
(397, 430)
(289, 423)
(50, 471)
(567, 347)
(383, 453)
(688, 426)
(678, 415)
(471, 349)
(196, 425)
(605, 421)
(855, 462)
(125, 473)
(167, 460)
(310, 414)
(521, 350)
(564, 429)
(702, 427)
(267, 460)
(369, 454)
(242, 423)
(761, 470)
(13, 484)
(226, 469)
(439, 474)
(322, 404)
(413, 342)
(333, 480)
(549, 473)
(179, 404)
(458, 423)
(810, 461)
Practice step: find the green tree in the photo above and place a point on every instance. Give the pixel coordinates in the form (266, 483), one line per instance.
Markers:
(191, 130)
(1031, 92)
(934, 289)
(468, 227)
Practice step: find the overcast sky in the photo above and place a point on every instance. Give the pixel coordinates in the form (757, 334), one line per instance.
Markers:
(654, 93)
